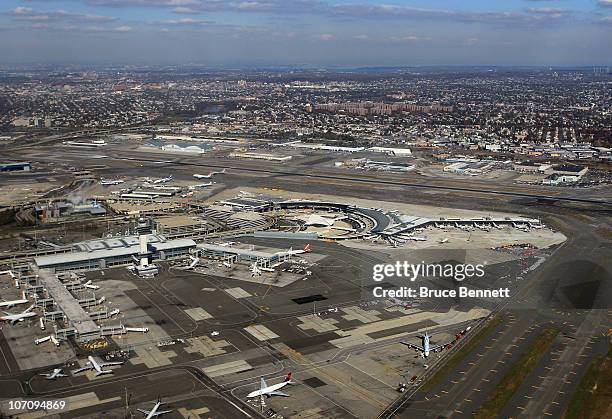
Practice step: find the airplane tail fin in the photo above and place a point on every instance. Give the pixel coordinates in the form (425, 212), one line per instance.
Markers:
(307, 248)
(288, 378)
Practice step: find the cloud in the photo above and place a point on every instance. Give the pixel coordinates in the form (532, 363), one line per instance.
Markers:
(326, 37)
(544, 10)
(29, 14)
(186, 21)
(157, 3)
(121, 29)
(604, 3)
(355, 9)
(372, 11)
(185, 10)
(21, 11)
(198, 6)
(409, 38)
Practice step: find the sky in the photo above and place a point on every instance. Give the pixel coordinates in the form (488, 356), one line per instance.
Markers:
(307, 33)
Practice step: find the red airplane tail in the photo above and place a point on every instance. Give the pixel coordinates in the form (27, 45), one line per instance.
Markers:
(288, 377)
(307, 248)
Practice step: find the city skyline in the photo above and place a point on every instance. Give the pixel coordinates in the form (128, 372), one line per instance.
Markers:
(307, 32)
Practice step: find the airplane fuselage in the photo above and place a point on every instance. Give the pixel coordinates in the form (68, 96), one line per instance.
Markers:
(267, 390)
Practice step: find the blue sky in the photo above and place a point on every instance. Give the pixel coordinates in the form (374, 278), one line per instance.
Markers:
(308, 32)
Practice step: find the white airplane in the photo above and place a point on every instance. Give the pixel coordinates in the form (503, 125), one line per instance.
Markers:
(93, 365)
(162, 180)
(14, 318)
(208, 176)
(194, 262)
(269, 391)
(107, 182)
(9, 304)
(255, 271)
(306, 249)
(425, 349)
(442, 241)
(89, 285)
(155, 411)
(201, 185)
(227, 244)
(42, 340)
(416, 239)
(57, 372)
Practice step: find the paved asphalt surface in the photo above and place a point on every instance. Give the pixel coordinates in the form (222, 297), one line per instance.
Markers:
(547, 298)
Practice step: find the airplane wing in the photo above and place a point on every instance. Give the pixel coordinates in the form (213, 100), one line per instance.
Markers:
(105, 364)
(144, 412)
(161, 412)
(78, 370)
(413, 346)
(278, 393)
(436, 348)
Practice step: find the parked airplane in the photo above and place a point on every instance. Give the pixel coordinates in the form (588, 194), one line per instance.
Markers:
(89, 285)
(155, 411)
(42, 340)
(269, 391)
(162, 180)
(396, 302)
(306, 249)
(425, 349)
(442, 241)
(201, 185)
(57, 372)
(416, 239)
(9, 304)
(255, 271)
(227, 244)
(14, 318)
(93, 365)
(194, 262)
(107, 182)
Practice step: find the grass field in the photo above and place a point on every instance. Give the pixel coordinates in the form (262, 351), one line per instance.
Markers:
(515, 376)
(593, 397)
(461, 354)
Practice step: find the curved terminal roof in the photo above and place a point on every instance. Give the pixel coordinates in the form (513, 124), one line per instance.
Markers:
(380, 219)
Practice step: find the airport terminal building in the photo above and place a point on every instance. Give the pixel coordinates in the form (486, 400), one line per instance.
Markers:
(106, 253)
